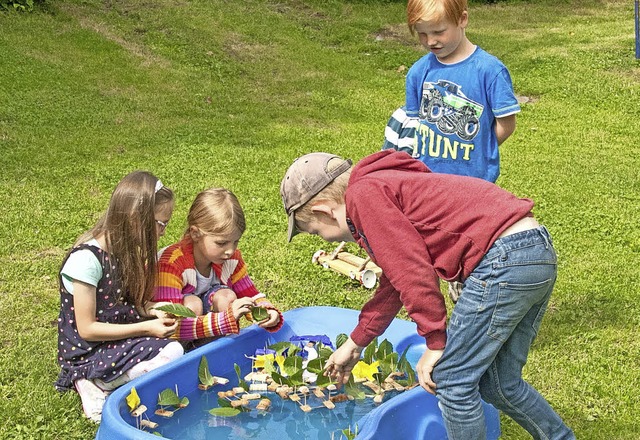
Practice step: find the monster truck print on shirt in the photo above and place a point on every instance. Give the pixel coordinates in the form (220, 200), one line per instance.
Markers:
(444, 104)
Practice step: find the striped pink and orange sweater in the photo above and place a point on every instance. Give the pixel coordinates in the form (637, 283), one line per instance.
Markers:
(177, 278)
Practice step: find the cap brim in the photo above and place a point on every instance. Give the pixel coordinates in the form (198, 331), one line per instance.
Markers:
(291, 230)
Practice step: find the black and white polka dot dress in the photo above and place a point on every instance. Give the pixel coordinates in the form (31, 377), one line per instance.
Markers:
(107, 360)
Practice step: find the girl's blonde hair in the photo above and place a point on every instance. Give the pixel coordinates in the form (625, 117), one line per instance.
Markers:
(434, 10)
(333, 192)
(129, 228)
(216, 211)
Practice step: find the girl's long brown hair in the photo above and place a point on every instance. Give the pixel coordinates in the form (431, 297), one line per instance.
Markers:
(129, 228)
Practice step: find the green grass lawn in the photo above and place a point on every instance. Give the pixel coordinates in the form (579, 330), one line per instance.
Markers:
(215, 93)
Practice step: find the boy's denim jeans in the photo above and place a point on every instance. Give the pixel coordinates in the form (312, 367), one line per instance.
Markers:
(489, 336)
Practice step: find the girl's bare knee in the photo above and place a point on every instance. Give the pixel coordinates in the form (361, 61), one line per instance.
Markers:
(223, 299)
(193, 303)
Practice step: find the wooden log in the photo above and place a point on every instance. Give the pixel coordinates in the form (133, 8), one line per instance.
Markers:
(148, 424)
(139, 411)
(329, 404)
(164, 413)
(220, 380)
(373, 386)
(264, 404)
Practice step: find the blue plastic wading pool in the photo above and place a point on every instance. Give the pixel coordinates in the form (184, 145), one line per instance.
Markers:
(410, 415)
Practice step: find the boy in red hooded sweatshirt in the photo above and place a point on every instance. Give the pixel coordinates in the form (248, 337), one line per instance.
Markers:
(419, 226)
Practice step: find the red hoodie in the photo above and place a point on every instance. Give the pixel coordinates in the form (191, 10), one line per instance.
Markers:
(419, 226)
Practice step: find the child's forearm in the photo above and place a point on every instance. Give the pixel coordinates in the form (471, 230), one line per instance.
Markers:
(505, 127)
(206, 326)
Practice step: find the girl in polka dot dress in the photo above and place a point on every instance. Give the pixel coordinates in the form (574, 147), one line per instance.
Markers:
(108, 331)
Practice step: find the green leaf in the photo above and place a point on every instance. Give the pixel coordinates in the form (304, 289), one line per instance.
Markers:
(389, 365)
(292, 365)
(384, 349)
(278, 378)
(177, 310)
(341, 339)
(168, 397)
(370, 351)
(323, 381)
(281, 347)
(351, 389)
(406, 368)
(296, 379)
(315, 366)
(324, 353)
(259, 314)
(203, 373)
(224, 412)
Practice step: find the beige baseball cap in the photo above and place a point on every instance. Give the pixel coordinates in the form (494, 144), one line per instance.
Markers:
(305, 178)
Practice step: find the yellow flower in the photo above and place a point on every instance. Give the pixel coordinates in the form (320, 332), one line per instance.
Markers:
(362, 370)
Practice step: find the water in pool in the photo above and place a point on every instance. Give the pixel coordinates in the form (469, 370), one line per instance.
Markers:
(283, 420)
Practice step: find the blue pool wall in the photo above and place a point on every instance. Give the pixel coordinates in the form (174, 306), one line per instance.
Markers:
(412, 415)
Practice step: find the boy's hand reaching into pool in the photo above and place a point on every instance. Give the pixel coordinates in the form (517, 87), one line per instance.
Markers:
(342, 361)
(424, 368)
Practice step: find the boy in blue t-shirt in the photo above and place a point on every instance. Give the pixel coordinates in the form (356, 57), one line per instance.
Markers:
(460, 103)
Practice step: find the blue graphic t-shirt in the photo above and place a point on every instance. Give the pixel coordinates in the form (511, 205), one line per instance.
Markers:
(457, 105)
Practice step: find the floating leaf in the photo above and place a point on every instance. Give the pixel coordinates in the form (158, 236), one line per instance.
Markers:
(169, 397)
(406, 368)
(324, 353)
(177, 310)
(389, 364)
(133, 400)
(323, 381)
(269, 366)
(296, 378)
(282, 380)
(224, 412)
(316, 366)
(292, 365)
(362, 370)
(259, 314)
(285, 346)
(203, 373)
(351, 389)
(370, 351)
(384, 349)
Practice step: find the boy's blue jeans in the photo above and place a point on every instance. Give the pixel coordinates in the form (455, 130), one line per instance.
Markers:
(489, 336)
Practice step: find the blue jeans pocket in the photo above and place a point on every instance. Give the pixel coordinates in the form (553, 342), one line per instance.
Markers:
(514, 303)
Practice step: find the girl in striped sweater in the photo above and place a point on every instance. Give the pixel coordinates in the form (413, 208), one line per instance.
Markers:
(205, 271)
